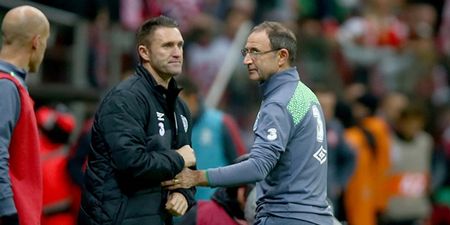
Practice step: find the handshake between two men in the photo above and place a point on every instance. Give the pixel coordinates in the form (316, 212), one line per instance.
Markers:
(187, 178)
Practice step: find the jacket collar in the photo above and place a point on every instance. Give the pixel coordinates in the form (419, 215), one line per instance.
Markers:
(277, 80)
(16, 72)
(172, 89)
(167, 96)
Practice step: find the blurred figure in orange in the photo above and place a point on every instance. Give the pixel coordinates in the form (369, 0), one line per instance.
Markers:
(359, 200)
(55, 127)
(365, 108)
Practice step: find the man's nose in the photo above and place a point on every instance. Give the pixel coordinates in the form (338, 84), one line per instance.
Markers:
(247, 59)
(177, 52)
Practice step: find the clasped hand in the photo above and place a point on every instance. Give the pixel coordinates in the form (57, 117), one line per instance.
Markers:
(185, 179)
(188, 155)
(177, 204)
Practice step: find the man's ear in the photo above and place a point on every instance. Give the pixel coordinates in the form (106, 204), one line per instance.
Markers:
(143, 52)
(284, 57)
(35, 41)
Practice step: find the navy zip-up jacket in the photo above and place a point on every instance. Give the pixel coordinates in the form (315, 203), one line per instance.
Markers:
(136, 130)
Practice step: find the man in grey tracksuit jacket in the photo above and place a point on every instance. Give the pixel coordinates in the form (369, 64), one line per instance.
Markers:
(288, 159)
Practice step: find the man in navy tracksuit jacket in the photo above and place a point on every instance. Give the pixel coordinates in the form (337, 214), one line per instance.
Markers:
(141, 135)
(288, 159)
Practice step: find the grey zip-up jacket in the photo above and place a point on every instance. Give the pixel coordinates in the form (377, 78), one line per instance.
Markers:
(288, 159)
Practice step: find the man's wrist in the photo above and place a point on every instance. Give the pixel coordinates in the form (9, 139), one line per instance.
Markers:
(202, 178)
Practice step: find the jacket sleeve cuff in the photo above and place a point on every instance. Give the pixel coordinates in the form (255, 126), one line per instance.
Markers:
(189, 195)
(176, 160)
(7, 207)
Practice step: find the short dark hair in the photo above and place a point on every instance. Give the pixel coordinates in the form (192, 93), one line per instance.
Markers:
(279, 37)
(150, 25)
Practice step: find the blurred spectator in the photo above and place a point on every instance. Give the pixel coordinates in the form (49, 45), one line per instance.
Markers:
(205, 54)
(76, 164)
(441, 196)
(208, 49)
(326, 10)
(56, 125)
(341, 158)
(391, 105)
(79, 153)
(444, 30)
(410, 173)
(99, 48)
(277, 10)
(228, 206)
(134, 12)
(364, 109)
(372, 44)
(215, 135)
(359, 198)
(421, 19)
(419, 76)
(317, 54)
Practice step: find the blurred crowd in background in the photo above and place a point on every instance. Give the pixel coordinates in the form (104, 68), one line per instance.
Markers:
(380, 68)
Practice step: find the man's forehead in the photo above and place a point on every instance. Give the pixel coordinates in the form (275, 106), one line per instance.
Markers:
(165, 34)
(258, 39)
